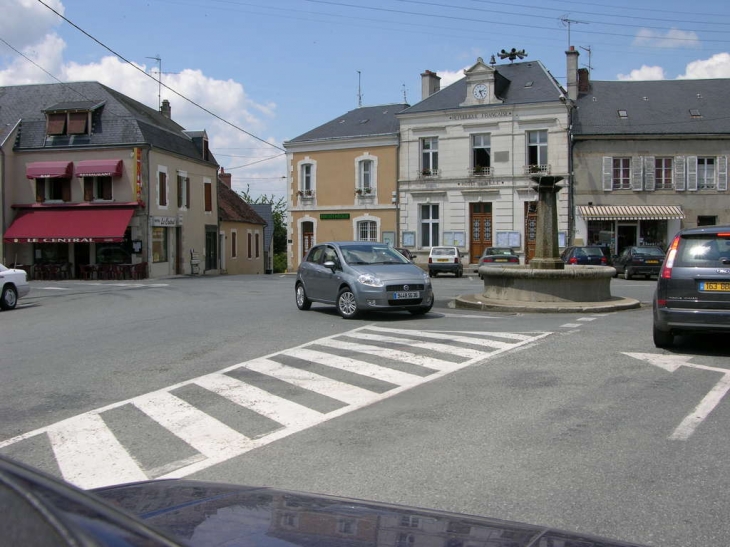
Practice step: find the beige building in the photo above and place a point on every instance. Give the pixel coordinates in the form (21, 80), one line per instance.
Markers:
(242, 244)
(343, 181)
(97, 185)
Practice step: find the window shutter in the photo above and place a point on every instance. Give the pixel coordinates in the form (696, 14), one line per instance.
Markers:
(77, 122)
(179, 191)
(40, 190)
(722, 173)
(66, 190)
(637, 173)
(607, 173)
(56, 124)
(163, 189)
(106, 188)
(187, 192)
(208, 197)
(679, 169)
(692, 173)
(88, 189)
(649, 173)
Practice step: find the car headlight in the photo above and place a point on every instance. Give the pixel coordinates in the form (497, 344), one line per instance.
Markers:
(370, 280)
(426, 278)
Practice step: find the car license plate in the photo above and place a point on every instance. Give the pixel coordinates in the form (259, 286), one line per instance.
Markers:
(500, 260)
(406, 295)
(652, 262)
(715, 286)
(442, 260)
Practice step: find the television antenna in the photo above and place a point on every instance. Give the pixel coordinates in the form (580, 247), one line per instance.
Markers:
(590, 51)
(567, 22)
(359, 91)
(159, 79)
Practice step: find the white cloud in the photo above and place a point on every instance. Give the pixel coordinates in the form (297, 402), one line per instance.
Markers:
(672, 39)
(225, 98)
(644, 73)
(717, 66)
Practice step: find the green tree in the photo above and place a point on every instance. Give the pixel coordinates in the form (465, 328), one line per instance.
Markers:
(278, 213)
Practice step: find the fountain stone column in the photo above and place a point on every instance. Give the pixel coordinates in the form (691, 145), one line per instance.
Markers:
(547, 252)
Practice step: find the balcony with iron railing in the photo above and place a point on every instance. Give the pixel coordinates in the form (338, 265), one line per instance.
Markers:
(537, 169)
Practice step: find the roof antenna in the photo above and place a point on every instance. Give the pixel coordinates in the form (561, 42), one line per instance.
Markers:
(159, 79)
(567, 22)
(359, 92)
(405, 99)
(589, 65)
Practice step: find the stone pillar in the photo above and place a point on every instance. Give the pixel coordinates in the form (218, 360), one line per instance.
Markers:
(547, 255)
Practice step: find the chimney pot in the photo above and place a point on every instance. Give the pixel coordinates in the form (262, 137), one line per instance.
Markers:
(165, 109)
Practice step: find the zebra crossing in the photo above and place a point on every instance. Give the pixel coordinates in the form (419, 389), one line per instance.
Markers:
(187, 427)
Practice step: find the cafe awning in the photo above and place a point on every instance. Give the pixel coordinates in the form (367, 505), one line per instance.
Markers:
(99, 168)
(69, 225)
(49, 169)
(630, 212)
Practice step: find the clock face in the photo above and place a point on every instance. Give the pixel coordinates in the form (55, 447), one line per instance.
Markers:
(480, 91)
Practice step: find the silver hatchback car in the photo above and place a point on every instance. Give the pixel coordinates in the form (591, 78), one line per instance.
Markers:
(693, 289)
(357, 276)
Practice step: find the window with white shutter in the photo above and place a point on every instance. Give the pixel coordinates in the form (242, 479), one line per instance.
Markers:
(679, 173)
(649, 173)
(607, 175)
(637, 173)
(722, 173)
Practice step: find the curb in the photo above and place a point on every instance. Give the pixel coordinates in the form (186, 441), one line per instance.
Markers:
(479, 302)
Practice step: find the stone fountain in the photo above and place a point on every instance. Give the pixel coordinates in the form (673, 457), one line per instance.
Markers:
(546, 284)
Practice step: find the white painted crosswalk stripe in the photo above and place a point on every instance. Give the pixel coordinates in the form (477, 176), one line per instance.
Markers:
(89, 454)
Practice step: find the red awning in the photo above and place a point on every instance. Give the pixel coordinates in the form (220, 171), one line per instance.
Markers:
(99, 168)
(48, 169)
(70, 225)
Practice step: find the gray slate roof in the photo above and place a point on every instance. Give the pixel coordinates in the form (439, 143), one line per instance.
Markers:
(658, 108)
(120, 121)
(361, 122)
(264, 210)
(516, 83)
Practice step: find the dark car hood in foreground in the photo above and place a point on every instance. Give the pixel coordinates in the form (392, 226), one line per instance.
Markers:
(40, 510)
(208, 514)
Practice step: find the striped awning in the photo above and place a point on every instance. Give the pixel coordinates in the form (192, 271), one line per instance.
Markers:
(630, 212)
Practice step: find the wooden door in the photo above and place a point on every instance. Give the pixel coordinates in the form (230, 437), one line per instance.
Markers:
(480, 220)
(307, 237)
(530, 230)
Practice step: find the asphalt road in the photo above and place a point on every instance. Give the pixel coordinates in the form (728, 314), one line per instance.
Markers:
(570, 420)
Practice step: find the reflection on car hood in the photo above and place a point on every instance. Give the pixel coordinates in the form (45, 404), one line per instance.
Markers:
(206, 514)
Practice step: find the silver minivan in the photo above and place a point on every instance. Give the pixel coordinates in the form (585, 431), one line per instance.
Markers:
(693, 288)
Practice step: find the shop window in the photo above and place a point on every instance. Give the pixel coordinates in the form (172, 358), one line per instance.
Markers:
(159, 244)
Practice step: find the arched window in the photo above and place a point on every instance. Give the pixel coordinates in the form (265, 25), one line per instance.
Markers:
(367, 230)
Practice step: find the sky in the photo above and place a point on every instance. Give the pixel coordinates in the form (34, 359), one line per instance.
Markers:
(266, 71)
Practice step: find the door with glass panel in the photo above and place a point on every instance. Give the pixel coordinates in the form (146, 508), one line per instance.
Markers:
(480, 217)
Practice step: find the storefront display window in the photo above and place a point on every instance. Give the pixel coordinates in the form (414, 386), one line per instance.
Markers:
(653, 232)
(50, 252)
(159, 244)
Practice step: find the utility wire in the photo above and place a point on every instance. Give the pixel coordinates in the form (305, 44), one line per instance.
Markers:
(130, 63)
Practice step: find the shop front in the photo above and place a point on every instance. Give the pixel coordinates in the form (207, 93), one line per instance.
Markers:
(617, 227)
(75, 242)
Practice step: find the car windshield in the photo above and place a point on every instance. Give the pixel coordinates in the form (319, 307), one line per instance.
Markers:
(371, 254)
(591, 251)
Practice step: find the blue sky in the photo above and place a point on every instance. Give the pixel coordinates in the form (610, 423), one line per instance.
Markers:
(278, 68)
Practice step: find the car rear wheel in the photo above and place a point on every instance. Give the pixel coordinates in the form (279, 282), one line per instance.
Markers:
(662, 338)
(347, 304)
(9, 298)
(627, 274)
(303, 303)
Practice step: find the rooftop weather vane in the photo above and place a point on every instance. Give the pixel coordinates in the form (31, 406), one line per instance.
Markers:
(512, 54)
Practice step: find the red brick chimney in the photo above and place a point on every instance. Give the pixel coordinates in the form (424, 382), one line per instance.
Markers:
(225, 178)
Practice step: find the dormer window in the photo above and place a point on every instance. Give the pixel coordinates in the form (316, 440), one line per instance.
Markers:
(68, 123)
(623, 114)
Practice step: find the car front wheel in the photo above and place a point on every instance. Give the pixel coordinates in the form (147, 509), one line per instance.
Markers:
(627, 274)
(303, 303)
(662, 338)
(9, 298)
(347, 305)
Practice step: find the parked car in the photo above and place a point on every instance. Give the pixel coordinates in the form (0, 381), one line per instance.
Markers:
(405, 252)
(639, 260)
(445, 260)
(693, 288)
(357, 276)
(14, 283)
(591, 255)
(39, 509)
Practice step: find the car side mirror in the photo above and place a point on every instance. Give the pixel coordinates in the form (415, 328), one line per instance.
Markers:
(330, 264)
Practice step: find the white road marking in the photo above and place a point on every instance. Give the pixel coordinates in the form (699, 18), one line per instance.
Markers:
(570, 325)
(587, 319)
(52, 288)
(89, 455)
(671, 363)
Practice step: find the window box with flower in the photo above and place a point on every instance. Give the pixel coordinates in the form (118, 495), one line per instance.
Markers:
(364, 191)
(305, 193)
